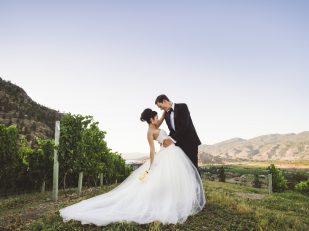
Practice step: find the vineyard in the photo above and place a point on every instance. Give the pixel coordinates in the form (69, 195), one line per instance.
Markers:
(82, 152)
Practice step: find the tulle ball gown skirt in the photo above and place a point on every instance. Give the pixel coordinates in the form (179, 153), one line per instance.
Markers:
(170, 192)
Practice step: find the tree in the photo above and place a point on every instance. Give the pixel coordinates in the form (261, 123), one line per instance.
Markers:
(71, 157)
(83, 151)
(81, 146)
(40, 161)
(33, 126)
(9, 157)
(24, 180)
(95, 148)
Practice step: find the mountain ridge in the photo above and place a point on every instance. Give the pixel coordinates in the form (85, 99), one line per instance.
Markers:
(289, 147)
(31, 118)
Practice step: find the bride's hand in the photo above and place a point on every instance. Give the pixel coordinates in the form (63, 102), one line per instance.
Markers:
(143, 175)
(167, 142)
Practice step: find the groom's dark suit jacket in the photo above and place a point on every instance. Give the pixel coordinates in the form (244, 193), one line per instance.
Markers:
(184, 134)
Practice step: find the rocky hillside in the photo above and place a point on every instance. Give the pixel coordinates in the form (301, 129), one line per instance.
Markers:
(262, 148)
(31, 118)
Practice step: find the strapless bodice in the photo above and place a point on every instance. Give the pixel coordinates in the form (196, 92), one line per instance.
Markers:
(162, 135)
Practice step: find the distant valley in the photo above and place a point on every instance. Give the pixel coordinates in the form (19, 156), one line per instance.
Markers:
(284, 147)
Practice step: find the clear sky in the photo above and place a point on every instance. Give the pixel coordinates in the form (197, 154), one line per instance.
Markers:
(241, 66)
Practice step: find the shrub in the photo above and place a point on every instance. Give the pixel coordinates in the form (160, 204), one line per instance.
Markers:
(221, 174)
(294, 178)
(256, 182)
(303, 187)
(278, 180)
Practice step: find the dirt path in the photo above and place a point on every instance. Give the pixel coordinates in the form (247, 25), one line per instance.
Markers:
(22, 219)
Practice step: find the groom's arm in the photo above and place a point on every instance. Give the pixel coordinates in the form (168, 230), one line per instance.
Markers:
(168, 141)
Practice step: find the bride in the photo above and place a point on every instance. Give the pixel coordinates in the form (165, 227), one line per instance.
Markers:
(166, 188)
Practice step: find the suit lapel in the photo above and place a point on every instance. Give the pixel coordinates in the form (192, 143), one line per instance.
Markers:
(168, 121)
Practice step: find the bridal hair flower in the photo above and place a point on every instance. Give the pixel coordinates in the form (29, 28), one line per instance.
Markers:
(143, 175)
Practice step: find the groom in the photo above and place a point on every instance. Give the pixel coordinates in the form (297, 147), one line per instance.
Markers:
(181, 127)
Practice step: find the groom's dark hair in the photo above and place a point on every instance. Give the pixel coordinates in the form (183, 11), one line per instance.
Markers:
(160, 99)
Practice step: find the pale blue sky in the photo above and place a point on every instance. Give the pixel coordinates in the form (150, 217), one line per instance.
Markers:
(241, 66)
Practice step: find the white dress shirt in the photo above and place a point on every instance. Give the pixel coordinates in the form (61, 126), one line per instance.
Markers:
(172, 117)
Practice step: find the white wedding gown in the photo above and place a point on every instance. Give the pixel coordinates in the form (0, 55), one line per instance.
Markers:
(170, 193)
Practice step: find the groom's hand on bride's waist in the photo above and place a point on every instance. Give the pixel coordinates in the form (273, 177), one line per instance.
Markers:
(167, 142)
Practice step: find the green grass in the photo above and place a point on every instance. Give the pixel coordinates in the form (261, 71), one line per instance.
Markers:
(253, 169)
(228, 207)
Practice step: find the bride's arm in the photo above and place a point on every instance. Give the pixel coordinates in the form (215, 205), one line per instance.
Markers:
(152, 147)
(162, 118)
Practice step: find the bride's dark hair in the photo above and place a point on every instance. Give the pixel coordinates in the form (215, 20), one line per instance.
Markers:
(147, 114)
